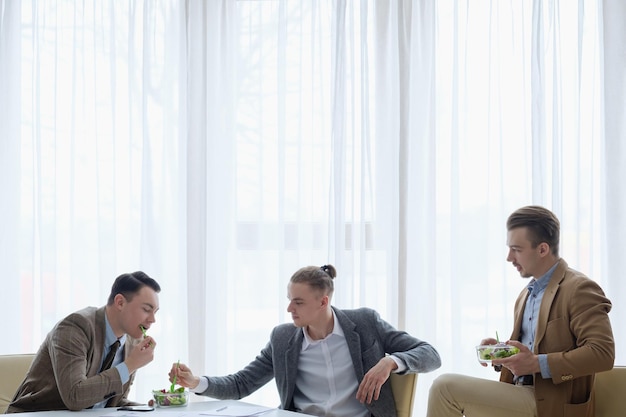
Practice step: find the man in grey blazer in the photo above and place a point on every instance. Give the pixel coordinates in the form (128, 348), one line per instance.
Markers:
(68, 372)
(332, 362)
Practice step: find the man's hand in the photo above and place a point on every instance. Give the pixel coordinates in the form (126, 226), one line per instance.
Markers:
(141, 354)
(184, 376)
(523, 363)
(489, 341)
(374, 379)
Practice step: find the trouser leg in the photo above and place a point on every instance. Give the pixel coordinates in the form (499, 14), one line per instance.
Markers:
(453, 395)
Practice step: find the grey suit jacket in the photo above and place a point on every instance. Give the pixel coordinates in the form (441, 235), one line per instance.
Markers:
(64, 374)
(369, 339)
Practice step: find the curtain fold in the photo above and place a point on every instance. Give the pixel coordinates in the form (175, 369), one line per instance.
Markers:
(210, 178)
(10, 157)
(612, 120)
(220, 146)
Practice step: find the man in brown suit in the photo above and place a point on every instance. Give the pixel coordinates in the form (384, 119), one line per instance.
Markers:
(561, 326)
(71, 370)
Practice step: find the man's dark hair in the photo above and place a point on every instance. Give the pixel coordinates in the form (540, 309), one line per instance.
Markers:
(130, 284)
(542, 226)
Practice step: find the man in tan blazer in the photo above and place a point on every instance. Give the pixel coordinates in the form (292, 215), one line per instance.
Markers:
(561, 327)
(68, 372)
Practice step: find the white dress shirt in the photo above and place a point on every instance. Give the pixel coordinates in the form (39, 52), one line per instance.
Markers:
(326, 384)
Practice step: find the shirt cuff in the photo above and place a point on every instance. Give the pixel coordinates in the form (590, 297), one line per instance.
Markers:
(202, 386)
(401, 366)
(543, 365)
(123, 371)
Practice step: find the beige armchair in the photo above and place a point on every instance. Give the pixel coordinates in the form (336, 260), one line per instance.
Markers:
(403, 387)
(13, 369)
(609, 388)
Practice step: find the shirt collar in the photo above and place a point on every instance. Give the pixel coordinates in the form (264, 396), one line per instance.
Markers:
(539, 284)
(337, 330)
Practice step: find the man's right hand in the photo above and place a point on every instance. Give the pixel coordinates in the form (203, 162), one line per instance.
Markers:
(141, 354)
(184, 376)
(489, 341)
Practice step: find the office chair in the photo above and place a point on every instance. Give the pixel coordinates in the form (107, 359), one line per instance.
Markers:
(608, 389)
(13, 369)
(403, 387)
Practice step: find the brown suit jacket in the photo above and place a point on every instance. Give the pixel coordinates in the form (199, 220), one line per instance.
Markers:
(574, 330)
(64, 374)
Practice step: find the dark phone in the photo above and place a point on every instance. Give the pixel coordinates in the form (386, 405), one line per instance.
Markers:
(136, 408)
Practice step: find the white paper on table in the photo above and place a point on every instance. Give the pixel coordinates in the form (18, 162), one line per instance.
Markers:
(125, 413)
(237, 411)
(226, 411)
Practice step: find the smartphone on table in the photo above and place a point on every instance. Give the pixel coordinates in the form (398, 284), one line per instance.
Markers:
(142, 407)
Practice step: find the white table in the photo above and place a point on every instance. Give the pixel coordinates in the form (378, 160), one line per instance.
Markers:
(194, 407)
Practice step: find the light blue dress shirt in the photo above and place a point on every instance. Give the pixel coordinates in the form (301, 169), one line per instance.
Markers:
(118, 361)
(536, 289)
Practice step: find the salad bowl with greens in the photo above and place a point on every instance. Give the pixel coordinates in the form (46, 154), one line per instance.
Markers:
(168, 398)
(487, 353)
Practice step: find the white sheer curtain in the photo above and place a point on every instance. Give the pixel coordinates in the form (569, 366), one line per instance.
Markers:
(221, 145)
(93, 163)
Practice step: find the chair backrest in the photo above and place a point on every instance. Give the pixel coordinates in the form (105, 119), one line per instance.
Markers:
(609, 388)
(13, 369)
(403, 387)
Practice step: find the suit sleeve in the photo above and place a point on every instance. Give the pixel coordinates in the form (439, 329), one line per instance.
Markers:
(243, 383)
(418, 355)
(73, 361)
(581, 340)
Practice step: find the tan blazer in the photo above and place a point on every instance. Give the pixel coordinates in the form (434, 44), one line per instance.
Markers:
(574, 330)
(64, 374)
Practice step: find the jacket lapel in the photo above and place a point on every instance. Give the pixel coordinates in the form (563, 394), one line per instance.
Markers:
(291, 365)
(353, 340)
(519, 314)
(93, 366)
(547, 300)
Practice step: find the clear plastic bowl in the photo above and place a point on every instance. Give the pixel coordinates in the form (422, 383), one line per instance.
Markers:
(486, 353)
(171, 399)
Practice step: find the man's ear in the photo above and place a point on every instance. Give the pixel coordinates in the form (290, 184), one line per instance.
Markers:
(325, 301)
(544, 249)
(119, 301)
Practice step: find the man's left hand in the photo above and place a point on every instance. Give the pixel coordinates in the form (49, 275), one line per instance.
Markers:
(523, 363)
(374, 379)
